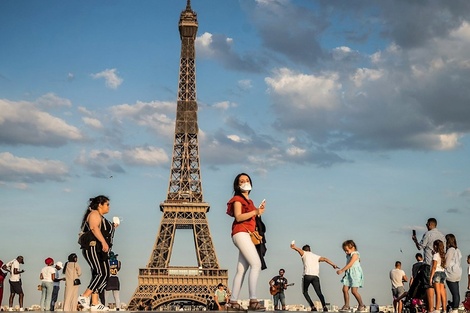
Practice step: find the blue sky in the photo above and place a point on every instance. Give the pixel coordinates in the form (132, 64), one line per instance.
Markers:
(351, 118)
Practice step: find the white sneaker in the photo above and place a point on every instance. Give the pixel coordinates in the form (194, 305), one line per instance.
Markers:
(99, 307)
(84, 302)
(21, 309)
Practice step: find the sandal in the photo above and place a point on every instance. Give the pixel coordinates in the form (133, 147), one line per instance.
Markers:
(234, 306)
(361, 308)
(345, 308)
(256, 306)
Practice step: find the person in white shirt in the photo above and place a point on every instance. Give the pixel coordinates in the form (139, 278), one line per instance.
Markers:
(47, 277)
(453, 270)
(438, 275)
(397, 277)
(15, 280)
(55, 291)
(311, 273)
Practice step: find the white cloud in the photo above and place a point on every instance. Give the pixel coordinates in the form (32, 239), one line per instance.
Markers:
(51, 100)
(85, 111)
(24, 170)
(23, 123)
(305, 91)
(149, 114)
(245, 84)
(93, 122)
(224, 105)
(149, 156)
(203, 44)
(237, 138)
(363, 74)
(296, 151)
(110, 76)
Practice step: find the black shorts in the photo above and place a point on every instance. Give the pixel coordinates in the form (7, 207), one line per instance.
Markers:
(16, 287)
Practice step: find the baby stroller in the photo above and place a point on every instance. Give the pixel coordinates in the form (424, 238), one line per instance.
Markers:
(466, 302)
(415, 299)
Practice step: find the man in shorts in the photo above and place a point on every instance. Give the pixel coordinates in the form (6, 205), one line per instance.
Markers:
(397, 277)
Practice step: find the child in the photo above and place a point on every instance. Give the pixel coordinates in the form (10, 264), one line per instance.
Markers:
(353, 276)
(438, 276)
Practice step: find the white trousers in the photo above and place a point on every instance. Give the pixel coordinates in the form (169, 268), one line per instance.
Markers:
(247, 257)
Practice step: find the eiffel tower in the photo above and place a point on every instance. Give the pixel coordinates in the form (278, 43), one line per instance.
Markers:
(161, 286)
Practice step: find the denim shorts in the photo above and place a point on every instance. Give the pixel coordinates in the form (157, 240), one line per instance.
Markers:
(439, 277)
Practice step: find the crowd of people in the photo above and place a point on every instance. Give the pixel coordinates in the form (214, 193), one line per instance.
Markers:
(96, 241)
(248, 228)
(440, 263)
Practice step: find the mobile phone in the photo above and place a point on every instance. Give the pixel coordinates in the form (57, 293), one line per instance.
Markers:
(414, 232)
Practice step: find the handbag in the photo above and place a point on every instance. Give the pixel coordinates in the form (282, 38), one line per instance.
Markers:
(85, 237)
(256, 238)
(76, 282)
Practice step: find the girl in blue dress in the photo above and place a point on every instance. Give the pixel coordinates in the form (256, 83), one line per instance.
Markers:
(353, 277)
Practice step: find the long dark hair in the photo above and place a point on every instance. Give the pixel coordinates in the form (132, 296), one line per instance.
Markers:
(236, 184)
(93, 205)
(451, 241)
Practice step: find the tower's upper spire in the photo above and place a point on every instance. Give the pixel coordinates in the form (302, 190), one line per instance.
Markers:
(188, 22)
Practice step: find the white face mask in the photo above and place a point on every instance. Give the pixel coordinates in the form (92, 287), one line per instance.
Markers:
(245, 187)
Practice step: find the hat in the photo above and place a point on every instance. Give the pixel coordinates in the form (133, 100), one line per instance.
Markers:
(112, 255)
(59, 264)
(49, 261)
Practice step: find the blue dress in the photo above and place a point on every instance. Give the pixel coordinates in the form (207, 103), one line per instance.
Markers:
(353, 277)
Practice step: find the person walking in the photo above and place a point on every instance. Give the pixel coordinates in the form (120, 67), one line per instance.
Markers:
(245, 214)
(453, 270)
(99, 233)
(47, 277)
(353, 276)
(311, 273)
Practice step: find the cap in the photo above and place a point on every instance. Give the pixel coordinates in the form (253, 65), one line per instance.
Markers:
(59, 264)
(112, 254)
(49, 261)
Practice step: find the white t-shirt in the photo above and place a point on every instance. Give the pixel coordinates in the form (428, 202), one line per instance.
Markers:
(396, 277)
(12, 265)
(436, 257)
(311, 263)
(47, 272)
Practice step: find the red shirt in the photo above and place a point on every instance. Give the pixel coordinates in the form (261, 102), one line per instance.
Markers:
(247, 206)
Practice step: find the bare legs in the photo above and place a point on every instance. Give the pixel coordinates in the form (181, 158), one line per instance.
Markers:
(355, 293)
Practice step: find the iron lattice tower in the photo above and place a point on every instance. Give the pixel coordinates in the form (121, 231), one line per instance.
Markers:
(160, 284)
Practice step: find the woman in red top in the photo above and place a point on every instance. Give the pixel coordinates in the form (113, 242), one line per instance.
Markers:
(244, 211)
